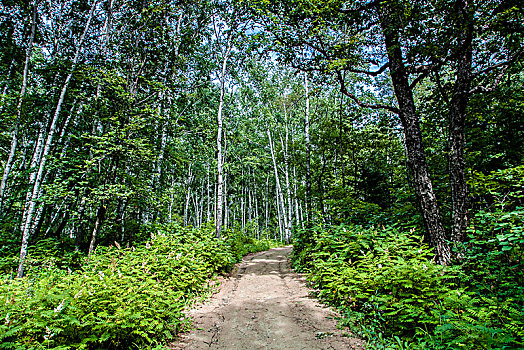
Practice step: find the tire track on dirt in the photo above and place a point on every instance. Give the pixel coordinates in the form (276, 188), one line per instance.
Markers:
(264, 305)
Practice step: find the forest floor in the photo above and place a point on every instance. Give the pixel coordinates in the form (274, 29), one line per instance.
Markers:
(265, 305)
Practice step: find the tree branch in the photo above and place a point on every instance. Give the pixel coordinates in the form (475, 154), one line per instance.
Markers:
(344, 90)
(498, 78)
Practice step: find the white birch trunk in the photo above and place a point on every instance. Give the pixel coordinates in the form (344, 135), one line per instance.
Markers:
(289, 212)
(220, 167)
(208, 196)
(299, 222)
(266, 217)
(31, 204)
(280, 197)
(14, 133)
(308, 151)
(188, 193)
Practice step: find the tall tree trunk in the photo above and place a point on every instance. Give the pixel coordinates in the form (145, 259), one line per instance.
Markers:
(208, 218)
(309, 208)
(35, 160)
(121, 215)
(413, 137)
(189, 180)
(171, 201)
(459, 102)
(100, 215)
(225, 206)
(289, 213)
(320, 188)
(279, 196)
(14, 133)
(295, 195)
(340, 138)
(242, 205)
(201, 203)
(280, 231)
(266, 211)
(31, 205)
(257, 214)
(157, 174)
(220, 165)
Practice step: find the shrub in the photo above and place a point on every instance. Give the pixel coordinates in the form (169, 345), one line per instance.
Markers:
(119, 298)
(391, 292)
(385, 274)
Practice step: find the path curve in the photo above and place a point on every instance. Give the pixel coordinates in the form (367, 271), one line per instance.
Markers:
(264, 305)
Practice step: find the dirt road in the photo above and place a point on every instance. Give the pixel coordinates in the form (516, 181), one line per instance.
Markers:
(264, 305)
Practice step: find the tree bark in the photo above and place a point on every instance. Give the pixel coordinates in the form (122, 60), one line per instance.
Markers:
(299, 222)
(457, 118)
(100, 214)
(208, 212)
(189, 181)
(289, 228)
(14, 133)
(308, 152)
(31, 204)
(266, 211)
(413, 137)
(279, 196)
(220, 165)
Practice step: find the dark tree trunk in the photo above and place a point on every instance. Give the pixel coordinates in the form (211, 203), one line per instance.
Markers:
(62, 225)
(457, 117)
(413, 137)
(100, 215)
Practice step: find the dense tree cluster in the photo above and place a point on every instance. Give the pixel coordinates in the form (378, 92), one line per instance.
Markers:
(109, 112)
(269, 117)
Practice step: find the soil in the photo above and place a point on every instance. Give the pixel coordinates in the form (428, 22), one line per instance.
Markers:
(265, 305)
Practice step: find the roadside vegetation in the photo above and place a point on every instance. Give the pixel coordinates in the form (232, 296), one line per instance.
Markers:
(386, 284)
(146, 145)
(120, 297)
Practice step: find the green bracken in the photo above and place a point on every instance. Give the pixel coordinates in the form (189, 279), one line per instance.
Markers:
(121, 298)
(391, 292)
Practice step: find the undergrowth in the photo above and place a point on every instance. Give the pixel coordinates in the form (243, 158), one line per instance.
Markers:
(120, 298)
(391, 293)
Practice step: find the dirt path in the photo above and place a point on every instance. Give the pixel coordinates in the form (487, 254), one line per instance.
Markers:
(264, 305)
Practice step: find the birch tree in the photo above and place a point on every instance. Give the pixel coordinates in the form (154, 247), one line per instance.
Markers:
(16, 127)
(28, 226)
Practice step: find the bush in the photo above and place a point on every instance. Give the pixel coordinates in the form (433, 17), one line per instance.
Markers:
(391, 292)
(242, 245)
(385, 274)
(119, 299)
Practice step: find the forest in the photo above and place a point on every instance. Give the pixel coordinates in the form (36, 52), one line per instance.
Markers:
(147, 145)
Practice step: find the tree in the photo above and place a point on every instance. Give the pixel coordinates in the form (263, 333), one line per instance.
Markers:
(368, 39)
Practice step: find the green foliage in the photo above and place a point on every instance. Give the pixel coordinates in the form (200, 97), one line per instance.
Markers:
(385, 274)
(493, 254)
(390, 291)
(241, 244)
(44, 253)
(120, 298)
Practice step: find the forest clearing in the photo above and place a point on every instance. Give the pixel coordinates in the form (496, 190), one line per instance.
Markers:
(149, 146)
